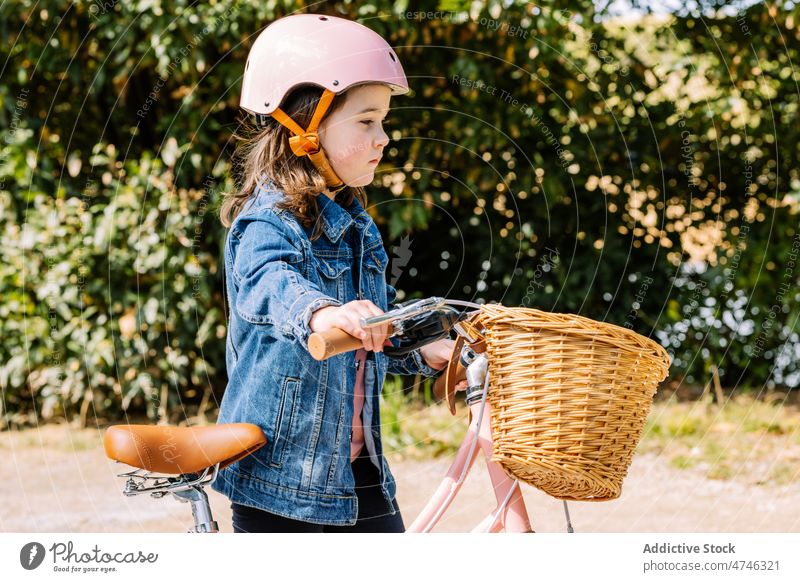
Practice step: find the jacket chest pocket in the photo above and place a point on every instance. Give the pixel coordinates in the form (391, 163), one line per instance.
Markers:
(376, 260)
(334, 272)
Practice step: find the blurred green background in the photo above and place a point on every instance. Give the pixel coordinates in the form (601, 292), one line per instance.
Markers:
(632, 167)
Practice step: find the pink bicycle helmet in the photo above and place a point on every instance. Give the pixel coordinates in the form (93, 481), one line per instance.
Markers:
(333, 53)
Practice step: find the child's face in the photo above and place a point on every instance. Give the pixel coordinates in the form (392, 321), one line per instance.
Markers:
(354, 138)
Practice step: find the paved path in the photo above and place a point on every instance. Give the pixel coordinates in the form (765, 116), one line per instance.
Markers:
(58, 480)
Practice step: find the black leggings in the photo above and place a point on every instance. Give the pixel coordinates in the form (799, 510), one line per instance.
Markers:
(373, 510)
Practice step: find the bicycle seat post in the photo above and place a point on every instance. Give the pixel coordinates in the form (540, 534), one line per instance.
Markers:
(201, 510)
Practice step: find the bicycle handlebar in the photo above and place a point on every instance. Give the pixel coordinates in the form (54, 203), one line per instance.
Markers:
(420, 321)
(406, 320)
(330, 343)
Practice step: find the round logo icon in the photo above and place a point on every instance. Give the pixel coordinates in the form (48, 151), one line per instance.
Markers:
(31, 555)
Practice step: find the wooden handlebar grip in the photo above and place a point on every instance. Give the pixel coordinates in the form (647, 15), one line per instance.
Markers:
(331, 343)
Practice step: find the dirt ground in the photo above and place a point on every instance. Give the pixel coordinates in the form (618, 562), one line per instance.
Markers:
(58, 480)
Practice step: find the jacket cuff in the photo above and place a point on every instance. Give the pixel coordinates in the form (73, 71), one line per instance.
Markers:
(410, 365)
(300, 313)
(424, 368)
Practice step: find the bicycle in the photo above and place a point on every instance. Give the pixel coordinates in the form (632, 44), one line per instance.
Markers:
(182, 460)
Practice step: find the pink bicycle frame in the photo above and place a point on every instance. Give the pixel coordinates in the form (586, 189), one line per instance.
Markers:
(510, 515)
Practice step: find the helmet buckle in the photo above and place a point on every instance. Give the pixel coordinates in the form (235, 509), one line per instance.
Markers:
(307, 143)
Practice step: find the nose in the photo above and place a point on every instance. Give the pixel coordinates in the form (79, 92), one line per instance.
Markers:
(382, 140)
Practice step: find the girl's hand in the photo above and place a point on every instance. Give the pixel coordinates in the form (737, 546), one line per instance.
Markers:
(437, 354)
(347, 317)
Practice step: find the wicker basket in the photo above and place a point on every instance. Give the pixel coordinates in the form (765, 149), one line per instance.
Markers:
(569, 398)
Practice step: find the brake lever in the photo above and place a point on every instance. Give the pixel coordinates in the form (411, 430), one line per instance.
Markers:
(417, 322)
(403, 312)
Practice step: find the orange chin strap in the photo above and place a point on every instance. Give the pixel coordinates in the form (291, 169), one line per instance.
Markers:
(305, 142)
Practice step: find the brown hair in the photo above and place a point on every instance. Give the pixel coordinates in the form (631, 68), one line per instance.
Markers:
(266, 151)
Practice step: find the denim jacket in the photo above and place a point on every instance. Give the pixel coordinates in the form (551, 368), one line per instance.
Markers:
(276, 277)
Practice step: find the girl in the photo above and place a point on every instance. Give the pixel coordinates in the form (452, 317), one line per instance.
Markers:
(303, 256)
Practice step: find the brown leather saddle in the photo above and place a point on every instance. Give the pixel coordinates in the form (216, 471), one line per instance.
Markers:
(174, 450)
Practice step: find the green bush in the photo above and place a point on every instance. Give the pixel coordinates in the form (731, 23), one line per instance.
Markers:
(115, 302)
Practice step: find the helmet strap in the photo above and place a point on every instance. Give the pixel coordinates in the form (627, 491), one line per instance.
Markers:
(305, 142)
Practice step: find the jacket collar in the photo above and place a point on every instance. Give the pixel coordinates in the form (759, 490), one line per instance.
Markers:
(336, 219)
